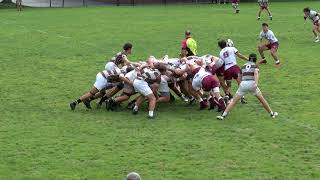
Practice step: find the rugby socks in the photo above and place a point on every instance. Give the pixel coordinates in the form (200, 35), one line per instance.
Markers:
(277, 61)
(135, 108)
(78, 101)
(150, 113)
(224, 114)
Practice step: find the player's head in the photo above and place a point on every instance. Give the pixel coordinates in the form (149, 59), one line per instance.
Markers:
(161, 67)
(253, 57)
(187, 33)
(306, 10)
(222, 43)
(133, 176)
(127, 47)
(265, 27)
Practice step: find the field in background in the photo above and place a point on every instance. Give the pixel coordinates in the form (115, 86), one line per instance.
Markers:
(51, 56)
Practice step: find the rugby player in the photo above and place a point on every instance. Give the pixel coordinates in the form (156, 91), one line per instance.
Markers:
(272, 45)
(264, 4)
(235, 5)
(147, 84)
(315, 18)
(189, 45)
(249, 84)
(102, 81)
(120, 59)
(228, 56)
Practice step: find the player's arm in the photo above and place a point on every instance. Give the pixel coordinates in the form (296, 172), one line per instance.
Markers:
(241, 56)
(127, 62)
(125, 80)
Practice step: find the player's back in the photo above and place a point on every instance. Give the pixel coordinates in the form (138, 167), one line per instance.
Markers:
(228, 55)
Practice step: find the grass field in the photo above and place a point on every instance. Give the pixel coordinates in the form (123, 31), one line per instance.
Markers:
(49, 57)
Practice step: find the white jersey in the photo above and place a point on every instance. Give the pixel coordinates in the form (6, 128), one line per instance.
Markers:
(207, 59)
(197, 79)
(132, 75)
(228, 56)
(172, 61)
(269, 35)
(313, 16)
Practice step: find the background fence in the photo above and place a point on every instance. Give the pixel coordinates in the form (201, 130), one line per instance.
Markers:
(74, 3)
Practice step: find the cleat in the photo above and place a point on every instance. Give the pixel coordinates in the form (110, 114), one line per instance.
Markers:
(87, 104)
(263, 61)
(131, 104)
(183, 98)
(192, 100)
(317, 40)
(243, 100)
(111, 105)
(151, 117)
(220, 118)
(134, 112)
(258, 18)
(270, 18)
(73, 105)
(203, 105)
(274, 115)
(226, 99)
(237, 11)
(213, 104)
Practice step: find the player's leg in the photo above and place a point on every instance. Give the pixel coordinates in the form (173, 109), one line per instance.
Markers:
(261, 49)
(269, 12)
(152, 104)
(218, 100)
(85, 98)
(234, 101)
(316, 30)
(164, 97)
(265, 104)
(274, 54)
(259, 12)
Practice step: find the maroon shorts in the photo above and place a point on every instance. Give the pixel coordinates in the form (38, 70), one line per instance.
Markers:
(232, 73)
(274, 45)
(220, 71)
(210, 82)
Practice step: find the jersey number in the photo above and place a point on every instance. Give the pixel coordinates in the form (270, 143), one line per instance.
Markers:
(226, 54)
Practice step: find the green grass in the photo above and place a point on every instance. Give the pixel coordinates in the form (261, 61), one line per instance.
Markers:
(49, 57)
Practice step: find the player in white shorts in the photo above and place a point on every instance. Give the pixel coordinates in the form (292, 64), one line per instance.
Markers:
(147, 84)
(315, 18)
(102, 80)
(249, 84)
(264, 4)
(164, 89)
(127, 91)
(272, 45)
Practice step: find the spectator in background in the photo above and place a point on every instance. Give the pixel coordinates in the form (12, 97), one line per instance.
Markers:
(189, 45)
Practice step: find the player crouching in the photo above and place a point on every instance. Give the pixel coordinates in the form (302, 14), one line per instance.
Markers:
(147, 84)
(103, 79)
(235, 5)
(315, 18)
(249, 84)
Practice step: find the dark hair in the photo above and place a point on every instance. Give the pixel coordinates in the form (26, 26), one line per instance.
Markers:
(127, 46)
(222, 44)
(161, 67)
(265, 24)
(253, 57)
(187, 32)
(307, 9)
